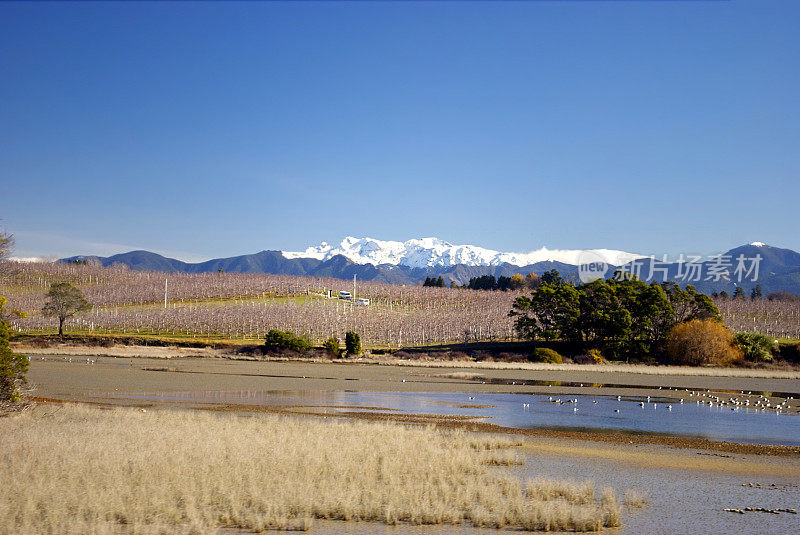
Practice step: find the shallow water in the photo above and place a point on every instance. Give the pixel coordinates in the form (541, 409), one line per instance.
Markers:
(616, 386)
(526, 411)
(683, 501)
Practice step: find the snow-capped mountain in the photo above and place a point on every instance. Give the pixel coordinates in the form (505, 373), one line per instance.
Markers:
(433, 252)
(413, 261)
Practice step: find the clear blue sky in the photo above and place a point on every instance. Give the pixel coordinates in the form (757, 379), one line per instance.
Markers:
(202, 130)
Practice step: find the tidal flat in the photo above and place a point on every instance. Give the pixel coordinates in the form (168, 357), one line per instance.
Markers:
(675, 483)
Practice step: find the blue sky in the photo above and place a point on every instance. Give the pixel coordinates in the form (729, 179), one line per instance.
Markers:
(203, 130)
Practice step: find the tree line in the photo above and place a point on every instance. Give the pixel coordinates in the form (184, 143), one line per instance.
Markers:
(502, 283)
(755, 294)
(621, 316)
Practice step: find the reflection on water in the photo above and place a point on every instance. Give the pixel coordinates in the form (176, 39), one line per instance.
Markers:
(525, 411)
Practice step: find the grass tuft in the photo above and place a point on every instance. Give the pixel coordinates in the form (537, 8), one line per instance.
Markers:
(635, 499)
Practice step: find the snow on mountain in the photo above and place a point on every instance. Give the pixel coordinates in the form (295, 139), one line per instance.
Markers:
(433, 252)
(26, 259)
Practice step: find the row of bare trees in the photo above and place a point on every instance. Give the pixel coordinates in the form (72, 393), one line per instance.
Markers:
(780, 319)
(249, 305)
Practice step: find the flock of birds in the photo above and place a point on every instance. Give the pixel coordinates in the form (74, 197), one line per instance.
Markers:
(69, 359)
(760, 402)
(749, 401)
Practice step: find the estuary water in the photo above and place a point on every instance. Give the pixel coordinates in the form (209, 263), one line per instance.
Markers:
(659, 415)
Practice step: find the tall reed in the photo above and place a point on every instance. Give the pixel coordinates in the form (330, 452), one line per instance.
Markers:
(79, 469)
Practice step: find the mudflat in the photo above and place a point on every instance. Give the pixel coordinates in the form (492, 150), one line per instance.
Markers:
(66, 375)
(670, 470)
(183, 381)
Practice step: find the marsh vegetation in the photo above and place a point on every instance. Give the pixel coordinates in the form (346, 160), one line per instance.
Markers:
(79, 469)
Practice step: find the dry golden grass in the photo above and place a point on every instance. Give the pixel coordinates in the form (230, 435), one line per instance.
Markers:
(635, 498)
(642, 369)
(79, 469)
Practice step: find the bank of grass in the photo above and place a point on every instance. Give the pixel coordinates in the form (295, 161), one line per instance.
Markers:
(79, 469)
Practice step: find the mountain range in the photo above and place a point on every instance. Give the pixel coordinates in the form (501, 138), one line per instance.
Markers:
(412, 261)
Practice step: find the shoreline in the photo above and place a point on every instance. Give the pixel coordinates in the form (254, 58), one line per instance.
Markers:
(561, 434)
(194, 382)
(168, 353)
(672, 471)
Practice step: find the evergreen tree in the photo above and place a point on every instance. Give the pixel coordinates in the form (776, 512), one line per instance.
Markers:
(756, 293)
(622, 317)
(484, 282)
(553, 277)
(503, 283)
(352, 344)
(13, 366)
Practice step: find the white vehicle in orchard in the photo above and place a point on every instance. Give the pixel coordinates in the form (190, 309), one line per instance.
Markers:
(346, 296)
(362, 302)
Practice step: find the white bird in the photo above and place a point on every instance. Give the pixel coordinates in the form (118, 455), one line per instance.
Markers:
(616, 410)
(669, 407)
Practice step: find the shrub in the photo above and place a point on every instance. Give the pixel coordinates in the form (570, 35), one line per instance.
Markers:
(756, 347)
(13, 366)
(352, 343)
(701, 342)
(596, 356)
(286, 340)
(510, 357)
(544, 354)
(582, 359)
(331, 345)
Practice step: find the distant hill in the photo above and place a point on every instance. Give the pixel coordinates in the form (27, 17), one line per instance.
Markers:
(778, 269)
(774, 269)
(338, 266)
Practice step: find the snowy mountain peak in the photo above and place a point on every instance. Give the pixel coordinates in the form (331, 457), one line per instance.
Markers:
(758, 243)
(433, 252)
